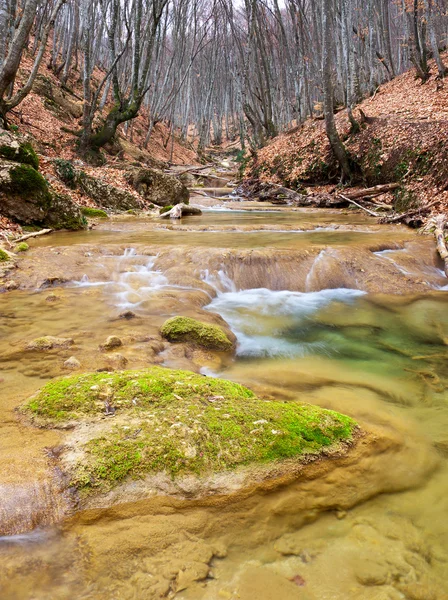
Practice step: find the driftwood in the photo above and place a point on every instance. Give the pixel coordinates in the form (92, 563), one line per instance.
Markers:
(412, 217)
(179, 211)
(438, 225)
(31, 235)
(376, 190)
(367, 210)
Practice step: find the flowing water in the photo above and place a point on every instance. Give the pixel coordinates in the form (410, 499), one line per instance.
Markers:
(313, 307)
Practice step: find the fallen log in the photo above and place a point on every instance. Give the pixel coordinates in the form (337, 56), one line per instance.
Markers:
(410, 215)
(376, 190)
(31, 235)
(179, 211)
(438, 225)
(367, 210)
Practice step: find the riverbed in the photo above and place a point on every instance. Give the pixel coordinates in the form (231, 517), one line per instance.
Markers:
(328, 308)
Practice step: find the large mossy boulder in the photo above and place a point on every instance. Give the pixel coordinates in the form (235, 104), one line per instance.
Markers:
(177, 423)
(158, 188)
(105, 194)
(25, 195)
(204, 335)
(26, 198)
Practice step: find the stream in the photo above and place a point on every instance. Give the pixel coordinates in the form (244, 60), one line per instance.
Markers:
(327, 307)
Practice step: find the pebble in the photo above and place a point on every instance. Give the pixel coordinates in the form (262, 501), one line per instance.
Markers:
(112, 342)
(72, 363)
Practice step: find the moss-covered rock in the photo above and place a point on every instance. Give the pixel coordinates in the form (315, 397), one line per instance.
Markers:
(26, 197)
(17, 148)
(165, 209)
(48, 342)
(158, 188)
(64, 214)
(178, 422)
(4, 256)
(186, 329)
(22, 247)
(21, 152)
(94, 213)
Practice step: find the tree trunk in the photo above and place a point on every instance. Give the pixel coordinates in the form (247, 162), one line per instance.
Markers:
(330, 126)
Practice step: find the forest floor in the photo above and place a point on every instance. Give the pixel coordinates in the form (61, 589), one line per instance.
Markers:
(51, 111)
(403, 138)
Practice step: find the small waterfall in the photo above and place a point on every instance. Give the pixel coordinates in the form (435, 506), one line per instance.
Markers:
(312, 271)
(268, 323)
(219, 281)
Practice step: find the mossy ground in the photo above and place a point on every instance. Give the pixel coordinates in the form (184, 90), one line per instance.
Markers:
(180, 422)
(87, 211)
(186, 329)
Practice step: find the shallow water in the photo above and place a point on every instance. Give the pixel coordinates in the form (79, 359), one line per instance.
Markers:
(239, 229)
(373, 530)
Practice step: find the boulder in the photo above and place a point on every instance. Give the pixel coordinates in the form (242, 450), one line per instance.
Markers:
(18, 149)
(106, 195)
(25, 195)
(56, 98)
(186, 329)
(158, 188)
(176, 428)
(26, 198)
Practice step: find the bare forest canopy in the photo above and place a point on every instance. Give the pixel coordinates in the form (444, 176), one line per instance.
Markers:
(216, 69)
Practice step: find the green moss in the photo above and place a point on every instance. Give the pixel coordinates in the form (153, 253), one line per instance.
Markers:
(66, 172)
(27, 181)
(94, 212)
(180, 422)
(23, 154)
(22, 247)
(186, 329)
(165, 209)
(4, 256)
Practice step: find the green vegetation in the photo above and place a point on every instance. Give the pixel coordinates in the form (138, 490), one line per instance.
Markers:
(186, 329)
(180, 422)
(24, 154)
(22, 247)
(94, 212)
(66, 172)
(165, 209)
(4, 256)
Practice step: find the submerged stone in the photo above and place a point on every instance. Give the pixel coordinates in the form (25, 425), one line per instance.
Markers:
(186, 329)
(48, 342)
(176, 423)
(112, 342)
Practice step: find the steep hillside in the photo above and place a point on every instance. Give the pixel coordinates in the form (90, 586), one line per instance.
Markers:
(403, 138)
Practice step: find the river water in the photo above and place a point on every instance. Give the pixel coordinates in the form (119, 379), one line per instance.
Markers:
(327, 308)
